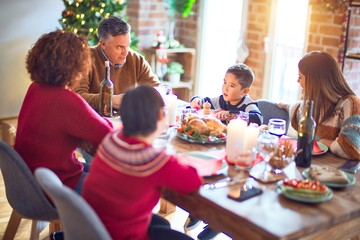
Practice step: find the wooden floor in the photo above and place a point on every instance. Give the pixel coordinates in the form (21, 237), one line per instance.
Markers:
(176, 219)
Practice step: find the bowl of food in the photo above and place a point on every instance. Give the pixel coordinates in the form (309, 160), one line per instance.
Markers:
(282, 156)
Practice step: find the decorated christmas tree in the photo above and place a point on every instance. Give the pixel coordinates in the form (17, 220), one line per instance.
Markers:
(83, 17)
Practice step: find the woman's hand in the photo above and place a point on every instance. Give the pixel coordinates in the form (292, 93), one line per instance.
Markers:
(284, 106)
(196, 103)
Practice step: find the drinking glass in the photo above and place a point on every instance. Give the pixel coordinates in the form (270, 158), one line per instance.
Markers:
(244, 116)
(267, 144)
(244, 162)
(277, 127)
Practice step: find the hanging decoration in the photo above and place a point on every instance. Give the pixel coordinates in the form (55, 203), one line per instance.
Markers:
(174, 9)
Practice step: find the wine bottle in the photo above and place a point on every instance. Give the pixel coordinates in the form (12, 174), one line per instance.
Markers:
(306, 134)
(106, 93)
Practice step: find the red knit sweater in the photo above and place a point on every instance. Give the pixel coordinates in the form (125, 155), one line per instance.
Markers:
(52, 122)
(125, 183)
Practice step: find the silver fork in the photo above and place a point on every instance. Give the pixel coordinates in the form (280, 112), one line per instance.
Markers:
(226, 182)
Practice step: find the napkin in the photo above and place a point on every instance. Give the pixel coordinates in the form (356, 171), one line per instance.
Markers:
(316, 148)
(205, 164)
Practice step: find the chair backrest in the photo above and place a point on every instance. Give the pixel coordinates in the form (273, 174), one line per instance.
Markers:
(79, 219)
(270, 110)
(23, 192)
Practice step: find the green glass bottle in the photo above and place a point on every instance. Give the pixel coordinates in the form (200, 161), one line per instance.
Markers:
(106, 93)
(306, 134)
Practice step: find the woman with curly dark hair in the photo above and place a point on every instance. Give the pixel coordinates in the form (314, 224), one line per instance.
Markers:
(53, 120)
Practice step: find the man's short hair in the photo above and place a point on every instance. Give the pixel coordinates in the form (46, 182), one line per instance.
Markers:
(113, 26)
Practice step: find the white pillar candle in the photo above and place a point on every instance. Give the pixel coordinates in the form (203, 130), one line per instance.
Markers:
(170, 104)
(251, 136)
(235, 139)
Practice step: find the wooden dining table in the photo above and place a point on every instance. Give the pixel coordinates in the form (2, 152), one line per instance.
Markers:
(270, 215)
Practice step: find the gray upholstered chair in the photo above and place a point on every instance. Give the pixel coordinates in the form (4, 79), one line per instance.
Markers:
(269, 110)
(79, 219)
(24, 195)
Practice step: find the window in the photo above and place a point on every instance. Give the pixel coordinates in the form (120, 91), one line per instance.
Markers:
(286, 47)
(220, 32)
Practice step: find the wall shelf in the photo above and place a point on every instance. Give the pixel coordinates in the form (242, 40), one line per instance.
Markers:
(352, 35)
(185, 56)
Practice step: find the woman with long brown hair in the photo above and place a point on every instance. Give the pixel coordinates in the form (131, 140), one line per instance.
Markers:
(336, 107)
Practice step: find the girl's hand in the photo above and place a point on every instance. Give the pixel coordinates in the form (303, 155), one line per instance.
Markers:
(196, 103)
(284, 106)
(221, 114)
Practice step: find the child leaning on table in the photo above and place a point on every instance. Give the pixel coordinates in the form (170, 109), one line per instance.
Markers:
(128, 174)
(235, 98)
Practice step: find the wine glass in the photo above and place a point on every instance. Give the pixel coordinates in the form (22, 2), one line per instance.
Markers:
(244, 116)
(277, 127)
(244, 163)
(267, 144)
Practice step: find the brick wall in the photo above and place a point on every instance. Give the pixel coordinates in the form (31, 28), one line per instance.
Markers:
(257, 30)
(325, 31)
(188, 28)
(147, 17)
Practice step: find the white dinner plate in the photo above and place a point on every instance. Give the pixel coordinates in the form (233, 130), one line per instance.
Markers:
(221, 168)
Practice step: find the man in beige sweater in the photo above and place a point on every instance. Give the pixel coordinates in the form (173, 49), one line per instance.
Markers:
(128, 68)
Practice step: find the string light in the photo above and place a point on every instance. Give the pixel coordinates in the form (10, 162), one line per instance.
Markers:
(80, 16)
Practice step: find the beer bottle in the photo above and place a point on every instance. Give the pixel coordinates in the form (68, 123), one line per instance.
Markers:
(306, 134)
(106, 93)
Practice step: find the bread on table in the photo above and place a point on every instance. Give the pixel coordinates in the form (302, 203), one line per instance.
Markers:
(327, 174)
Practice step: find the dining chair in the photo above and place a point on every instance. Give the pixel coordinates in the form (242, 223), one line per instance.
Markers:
(79, 219)
(25, 196)
(269, 110)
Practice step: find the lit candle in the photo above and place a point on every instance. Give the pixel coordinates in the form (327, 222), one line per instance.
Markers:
(251, 136)
(235, 140)
(170, 104)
